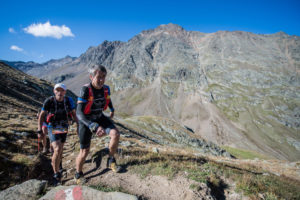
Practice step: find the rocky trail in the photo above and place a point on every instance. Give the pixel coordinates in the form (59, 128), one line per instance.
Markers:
(148, 187)
(151, 170)
(133, 154)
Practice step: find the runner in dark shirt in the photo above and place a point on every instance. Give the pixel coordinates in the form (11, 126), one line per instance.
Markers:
(92, 101)
(97, 106)
(57, 109)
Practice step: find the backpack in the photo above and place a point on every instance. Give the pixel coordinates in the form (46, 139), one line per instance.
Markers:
(87, 109)
(51, 116)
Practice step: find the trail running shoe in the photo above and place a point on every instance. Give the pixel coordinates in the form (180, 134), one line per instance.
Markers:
(79, 178)
(56, 179)
(112, 164)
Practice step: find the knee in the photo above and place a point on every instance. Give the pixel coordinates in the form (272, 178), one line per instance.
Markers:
(56, 148)
(114, 134)
(84, 152)
(45, 130)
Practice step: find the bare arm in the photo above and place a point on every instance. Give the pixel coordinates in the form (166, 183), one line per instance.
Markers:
(74, 116)
(41, 119)
(75, 119)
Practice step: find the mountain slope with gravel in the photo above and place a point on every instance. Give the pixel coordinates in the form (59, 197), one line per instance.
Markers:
(236, 89)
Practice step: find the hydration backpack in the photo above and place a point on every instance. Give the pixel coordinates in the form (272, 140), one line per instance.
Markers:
(88, 106)
(51, 116)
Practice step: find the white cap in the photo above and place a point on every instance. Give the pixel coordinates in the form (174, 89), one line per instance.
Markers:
(60, 85)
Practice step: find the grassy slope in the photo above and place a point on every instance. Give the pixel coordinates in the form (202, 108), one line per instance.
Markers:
(259, 119)
(21, 96)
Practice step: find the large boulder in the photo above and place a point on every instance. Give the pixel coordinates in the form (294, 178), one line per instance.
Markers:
(84, 192)
(24, 191)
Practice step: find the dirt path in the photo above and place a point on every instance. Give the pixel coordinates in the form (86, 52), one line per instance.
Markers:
(150, 187)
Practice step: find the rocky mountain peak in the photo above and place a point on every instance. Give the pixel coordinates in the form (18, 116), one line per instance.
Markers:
(169, 27)
(177, 72)
(165, 29)
(107, 43)
(281, 33)
(104, 45)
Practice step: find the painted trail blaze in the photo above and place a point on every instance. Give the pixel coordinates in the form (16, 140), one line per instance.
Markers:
(69, 194)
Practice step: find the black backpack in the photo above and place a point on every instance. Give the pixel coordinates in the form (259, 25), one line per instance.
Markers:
(51, 116)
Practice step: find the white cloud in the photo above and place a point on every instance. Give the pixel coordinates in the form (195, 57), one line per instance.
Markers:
(11, 30)
(48, 30)
(16, 48)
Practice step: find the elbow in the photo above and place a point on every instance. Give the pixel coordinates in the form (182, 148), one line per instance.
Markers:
(78, 115)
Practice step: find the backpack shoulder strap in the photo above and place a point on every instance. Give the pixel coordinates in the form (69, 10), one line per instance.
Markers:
(55, 104)
(65, 106)
(87, 109)
(106, 96)
(50, 115)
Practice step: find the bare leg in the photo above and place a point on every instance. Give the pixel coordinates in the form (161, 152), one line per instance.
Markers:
(61, 155)
(114, 141)
(56, 157)
(81, 159)
(44, 140)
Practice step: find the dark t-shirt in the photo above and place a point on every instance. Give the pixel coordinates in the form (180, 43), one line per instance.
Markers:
(58, 109)
(97, 106)
(99, 100)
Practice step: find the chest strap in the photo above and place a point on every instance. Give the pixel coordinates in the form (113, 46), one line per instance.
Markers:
(87, 109)
(50, 115)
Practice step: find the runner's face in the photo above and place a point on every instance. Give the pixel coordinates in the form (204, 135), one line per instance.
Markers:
(98, 79)
(59, 94)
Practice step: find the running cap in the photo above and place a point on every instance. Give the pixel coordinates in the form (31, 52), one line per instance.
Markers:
(60, 85)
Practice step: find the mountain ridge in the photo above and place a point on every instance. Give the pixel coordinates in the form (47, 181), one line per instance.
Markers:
(177, 109)
(231, 87)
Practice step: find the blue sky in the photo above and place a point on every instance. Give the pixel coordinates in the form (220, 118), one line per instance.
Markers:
(43, 30)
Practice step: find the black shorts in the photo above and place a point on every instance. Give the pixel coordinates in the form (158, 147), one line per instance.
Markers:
(85, 135)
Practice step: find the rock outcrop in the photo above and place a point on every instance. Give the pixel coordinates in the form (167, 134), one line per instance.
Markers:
(32, 189)
(28, 190)
(84, 192)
